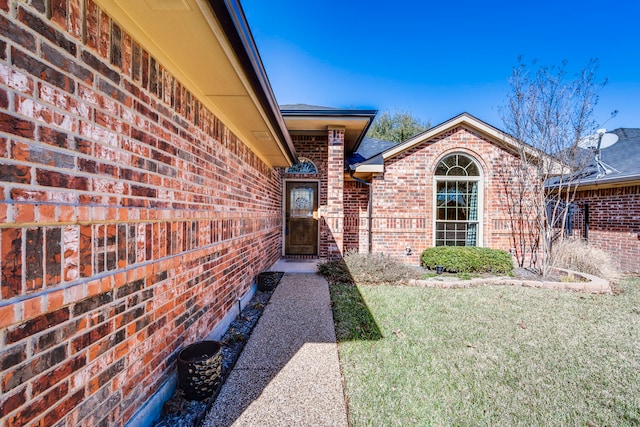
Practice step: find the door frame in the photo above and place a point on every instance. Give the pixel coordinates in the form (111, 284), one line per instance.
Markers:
(284, 211)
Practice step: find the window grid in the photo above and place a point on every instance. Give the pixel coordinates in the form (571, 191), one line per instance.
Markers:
(451, 233)
(457, 188)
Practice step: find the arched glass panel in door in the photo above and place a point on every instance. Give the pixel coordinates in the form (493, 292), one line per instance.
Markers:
(304, 166)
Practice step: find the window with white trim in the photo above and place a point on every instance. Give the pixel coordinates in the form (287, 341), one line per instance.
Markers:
(457, 192)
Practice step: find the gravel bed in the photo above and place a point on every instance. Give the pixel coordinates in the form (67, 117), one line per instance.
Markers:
(179, 412)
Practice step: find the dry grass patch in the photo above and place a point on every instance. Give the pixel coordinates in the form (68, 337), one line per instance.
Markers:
(368, 269)
(578, 255)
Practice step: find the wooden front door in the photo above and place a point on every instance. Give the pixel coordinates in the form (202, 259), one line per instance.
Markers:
(301, 218)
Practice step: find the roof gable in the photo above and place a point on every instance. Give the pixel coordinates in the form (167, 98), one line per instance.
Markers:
(465, 119)
(375, 164)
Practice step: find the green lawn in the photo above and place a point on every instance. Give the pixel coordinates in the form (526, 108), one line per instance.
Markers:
(489, 356)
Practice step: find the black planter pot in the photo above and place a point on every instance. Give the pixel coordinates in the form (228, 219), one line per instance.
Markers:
(199, 369)
(267, 281)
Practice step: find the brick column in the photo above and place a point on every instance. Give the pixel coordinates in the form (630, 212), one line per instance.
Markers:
(334, 216)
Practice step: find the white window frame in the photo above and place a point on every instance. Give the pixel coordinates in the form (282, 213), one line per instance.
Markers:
(479, 179)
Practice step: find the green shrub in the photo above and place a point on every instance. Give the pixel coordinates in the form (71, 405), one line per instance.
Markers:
(467, 259)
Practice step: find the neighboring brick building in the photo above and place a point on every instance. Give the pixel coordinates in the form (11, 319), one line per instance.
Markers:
(608, 201)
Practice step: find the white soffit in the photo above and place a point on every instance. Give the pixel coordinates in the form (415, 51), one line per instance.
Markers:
(186, 39)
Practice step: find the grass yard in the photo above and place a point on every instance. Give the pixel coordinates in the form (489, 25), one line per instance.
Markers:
(489, 356)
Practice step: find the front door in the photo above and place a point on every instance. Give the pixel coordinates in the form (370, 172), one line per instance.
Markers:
(301, 218)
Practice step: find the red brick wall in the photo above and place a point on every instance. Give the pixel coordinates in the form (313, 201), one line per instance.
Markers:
(131, 220)
(614, 223)
(356, 216)
(334, 215)
(403, 199)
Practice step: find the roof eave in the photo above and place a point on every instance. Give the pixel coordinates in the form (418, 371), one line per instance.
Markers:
(333, 117)
(234, 23)
(617, 181)
(364, 168)
(329, 113)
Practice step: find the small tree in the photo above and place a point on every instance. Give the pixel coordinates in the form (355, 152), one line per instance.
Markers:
(397, 127)
(548, 113)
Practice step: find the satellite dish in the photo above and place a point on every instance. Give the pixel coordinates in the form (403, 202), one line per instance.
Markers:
(608, 139)
(598, 140)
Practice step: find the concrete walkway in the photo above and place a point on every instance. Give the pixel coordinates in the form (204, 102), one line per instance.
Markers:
(289, 372)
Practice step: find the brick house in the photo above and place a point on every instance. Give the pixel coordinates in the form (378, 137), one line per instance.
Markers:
(442, 187)
(608, 201)
(148, 175)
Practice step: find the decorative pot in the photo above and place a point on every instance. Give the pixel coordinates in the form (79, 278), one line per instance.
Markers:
(266, 281)
(199, 369)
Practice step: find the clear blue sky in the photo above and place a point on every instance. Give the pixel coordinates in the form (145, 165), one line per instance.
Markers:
(437, 59)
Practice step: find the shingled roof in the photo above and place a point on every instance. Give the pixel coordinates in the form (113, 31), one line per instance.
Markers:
(623, 158)
(369, 148)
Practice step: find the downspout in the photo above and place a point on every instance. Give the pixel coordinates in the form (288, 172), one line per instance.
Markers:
(586, 222)
(370, 207)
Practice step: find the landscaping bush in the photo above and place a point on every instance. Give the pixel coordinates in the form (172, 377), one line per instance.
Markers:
(467, 259)
(578, 255)
(335, 271)
(367, 269)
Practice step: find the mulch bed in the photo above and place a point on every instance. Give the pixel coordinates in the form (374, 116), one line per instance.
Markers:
(180, 412)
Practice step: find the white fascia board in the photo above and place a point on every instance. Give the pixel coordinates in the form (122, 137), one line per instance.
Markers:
(370, 168)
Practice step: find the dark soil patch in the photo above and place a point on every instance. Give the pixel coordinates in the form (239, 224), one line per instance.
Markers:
(179, 412)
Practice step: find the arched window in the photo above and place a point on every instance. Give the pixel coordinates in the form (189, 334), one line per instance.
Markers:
(457, 192)
(304, 166)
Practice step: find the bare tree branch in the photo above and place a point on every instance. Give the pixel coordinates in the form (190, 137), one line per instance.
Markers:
(548, 113)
